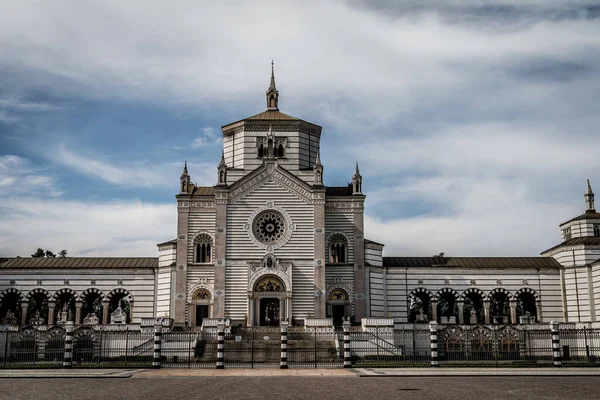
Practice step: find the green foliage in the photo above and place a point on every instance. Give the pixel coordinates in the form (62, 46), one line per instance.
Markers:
(50, 254)
(39, 253)
(62, 253)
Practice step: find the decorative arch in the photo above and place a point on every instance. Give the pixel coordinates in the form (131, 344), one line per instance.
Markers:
(198, 287)
(89, 291)
(338, 294)
(8, 291)
(338, 286)
(337, 247)
(443, 291)
(120, 291)
(422, 290)
(35, 291)
(269, 283)
(474, 290)
(501, 290)
(283, 277)
(528, 290)
(59, 292)
(201, 294)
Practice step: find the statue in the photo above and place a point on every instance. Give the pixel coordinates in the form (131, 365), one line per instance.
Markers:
(70, 316)
(473, 316)
(37, 319)
(422, 316)
(118, 316)
(64, 314)
(9, 318)
(91, 319)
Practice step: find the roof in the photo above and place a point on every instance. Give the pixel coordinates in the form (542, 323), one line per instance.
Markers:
(338, 190)
(471, 262)
(203, 191)
(586, 215)
(588, 240)
(273, 115)
(374, 242)
(81, 262)
(172, 241)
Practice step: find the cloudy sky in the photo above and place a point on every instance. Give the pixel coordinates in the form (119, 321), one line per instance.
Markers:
(475, 123)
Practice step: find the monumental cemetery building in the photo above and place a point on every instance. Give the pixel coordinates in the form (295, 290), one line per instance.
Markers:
(271, 242)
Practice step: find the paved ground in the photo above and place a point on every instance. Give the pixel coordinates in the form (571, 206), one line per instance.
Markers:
(300, 387)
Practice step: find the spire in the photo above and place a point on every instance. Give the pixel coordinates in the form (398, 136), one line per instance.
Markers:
(272, 86)
(318, 171)
(222, 171)
(356, 171)
(272, 93)
(185, 168)
(318, 159)
(222, 159)
(184, 180)
(589, 198)
(356, 181)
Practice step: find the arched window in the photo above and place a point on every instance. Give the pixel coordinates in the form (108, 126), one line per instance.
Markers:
(261, 151)
(280, 152)
(338, 249)
(596, 229)
(270, 148)
(203, 249)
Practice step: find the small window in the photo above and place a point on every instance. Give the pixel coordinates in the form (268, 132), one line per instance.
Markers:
(338, 249)
(567, 234)
(280, 152)
(203, 249)
(596, 229)
(261, 151)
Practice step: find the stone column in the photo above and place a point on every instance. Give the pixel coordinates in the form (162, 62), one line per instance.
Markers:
(68, 358)
(157, 344)
(513, 311)
(434, 344)
(221, 344)
(486, 311)
(556, 355)
(51, 312)
(320, 291)
(105, 305)
(221, 195)
(24, 306)
(347, 354)
(181, 254)
(250, 321)
(461, 314)
(131, 312)
(538, 309)
(78, 308)
(434, 304)
(284, 331)
(289, 306)
(360, 303)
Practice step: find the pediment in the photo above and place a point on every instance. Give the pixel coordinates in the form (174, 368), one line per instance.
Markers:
(271, 172)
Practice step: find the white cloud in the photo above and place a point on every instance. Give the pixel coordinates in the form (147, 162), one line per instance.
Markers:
(19, 177)
(134, 174)
(123, 228)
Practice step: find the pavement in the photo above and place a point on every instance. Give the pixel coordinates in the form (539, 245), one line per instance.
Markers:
(333, 372)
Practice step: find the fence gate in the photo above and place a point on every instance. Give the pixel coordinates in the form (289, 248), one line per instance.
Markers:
(253, 347)
(315, 348)
(189, 349)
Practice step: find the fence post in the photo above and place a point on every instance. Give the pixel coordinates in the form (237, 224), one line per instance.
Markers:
(68, 359)
(556, 357)
(434, 344)
(157, 345)
(220, 344)
(347, 355)
(284, 331)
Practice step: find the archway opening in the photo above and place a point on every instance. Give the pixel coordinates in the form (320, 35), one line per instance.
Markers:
(37, 311)
(200, 306)
(65, 307)
(473, 308)
(120, 301)
(447, 309)
(10, 309)
(269, 311)
(338, 306)
(526, 309)
(420, 308)
(499, 308)
(92, 305)
(271, 294)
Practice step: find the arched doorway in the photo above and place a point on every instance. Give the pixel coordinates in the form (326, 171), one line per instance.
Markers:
(37, 311)
(270, 301)
(10, 306)
(338, 306)
(499, 308)
(526, 307)
(447, 307)
(200, 307)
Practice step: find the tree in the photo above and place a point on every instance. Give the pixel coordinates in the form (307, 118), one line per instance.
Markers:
(50, 254)
(39, 253)
(62, 253)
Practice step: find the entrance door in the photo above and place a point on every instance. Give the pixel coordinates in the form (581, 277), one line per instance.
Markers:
(337, 312)
(201, 313)
(269, 312)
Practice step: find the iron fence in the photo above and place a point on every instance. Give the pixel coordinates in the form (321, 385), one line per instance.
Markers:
(387, 347)
(189, 349)
(260, 347)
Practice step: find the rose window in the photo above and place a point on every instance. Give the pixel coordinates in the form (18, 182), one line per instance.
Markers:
(269, 227)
